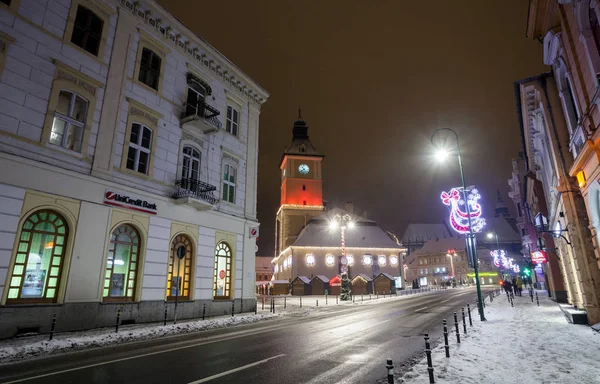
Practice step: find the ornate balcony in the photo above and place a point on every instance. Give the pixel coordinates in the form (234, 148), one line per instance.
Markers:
(195, 193)
(201, 116)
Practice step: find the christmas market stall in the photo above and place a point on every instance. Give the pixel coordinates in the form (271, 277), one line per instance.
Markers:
(335, 285)
(384, 283)
(319, 284)
(362, 284)
(280, 287)
(301, 286)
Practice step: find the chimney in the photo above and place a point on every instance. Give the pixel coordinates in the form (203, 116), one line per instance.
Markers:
(349, 206)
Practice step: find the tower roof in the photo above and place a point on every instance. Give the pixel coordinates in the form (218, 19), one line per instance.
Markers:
(301, 145)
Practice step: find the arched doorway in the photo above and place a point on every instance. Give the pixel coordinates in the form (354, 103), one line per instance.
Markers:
(180, 270)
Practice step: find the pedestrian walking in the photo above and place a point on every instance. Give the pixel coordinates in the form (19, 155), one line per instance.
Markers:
(514, 284)
(519, 286)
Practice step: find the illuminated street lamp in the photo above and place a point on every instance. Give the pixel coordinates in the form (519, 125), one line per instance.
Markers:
(343, 222)
(442, 154)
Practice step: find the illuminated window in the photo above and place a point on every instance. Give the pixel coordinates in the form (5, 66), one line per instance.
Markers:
(122, 264)
(350, 259)
(222, 278)
(310, 260)
(394, 260)
(179, 270)
(382, 260)
(69, 121)
(39, 259)
(367, 260)
(329, 260)
(581, 179)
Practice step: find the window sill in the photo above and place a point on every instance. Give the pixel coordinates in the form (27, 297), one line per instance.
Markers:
(66, 151)
(88, 54)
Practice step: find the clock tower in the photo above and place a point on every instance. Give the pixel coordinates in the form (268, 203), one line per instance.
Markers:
(301, 187)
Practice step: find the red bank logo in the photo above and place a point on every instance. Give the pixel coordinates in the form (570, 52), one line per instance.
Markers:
(124, 201)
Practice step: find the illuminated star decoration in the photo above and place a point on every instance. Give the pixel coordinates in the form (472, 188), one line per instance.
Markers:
(459, 219)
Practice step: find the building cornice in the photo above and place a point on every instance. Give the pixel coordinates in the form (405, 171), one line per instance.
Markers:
(169, 28)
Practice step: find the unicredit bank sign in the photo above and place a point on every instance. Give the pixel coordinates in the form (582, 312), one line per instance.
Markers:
(127, 200)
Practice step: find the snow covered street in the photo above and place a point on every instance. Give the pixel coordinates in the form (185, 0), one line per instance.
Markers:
(520, 344)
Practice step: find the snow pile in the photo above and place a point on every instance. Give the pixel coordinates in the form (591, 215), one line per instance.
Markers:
(524, 344)
(39, 346)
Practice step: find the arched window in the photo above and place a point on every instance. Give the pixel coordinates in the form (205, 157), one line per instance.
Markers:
(122, 264)
(39, 260)
(180, 270)
(222, 279)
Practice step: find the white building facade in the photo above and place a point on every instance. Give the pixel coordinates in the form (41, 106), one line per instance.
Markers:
(128, 167)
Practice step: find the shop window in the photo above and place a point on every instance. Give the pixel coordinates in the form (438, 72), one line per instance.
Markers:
(222, 273)
(179, 270)
(87, 30)
(229, 175)
(122, 264)
(39, 259)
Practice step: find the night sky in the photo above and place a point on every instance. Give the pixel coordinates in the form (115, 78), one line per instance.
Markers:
(374, 79)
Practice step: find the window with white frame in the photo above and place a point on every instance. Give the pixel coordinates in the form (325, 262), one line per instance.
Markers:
(69, 121)
(190, 169)
(140, 144)
(229, 177)
(232, 120)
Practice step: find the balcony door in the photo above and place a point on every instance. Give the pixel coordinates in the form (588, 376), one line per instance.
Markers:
(195, 99)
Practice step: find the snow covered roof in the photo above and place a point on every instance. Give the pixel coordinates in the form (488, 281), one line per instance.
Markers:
(365, 233)
(416, 232)
(279, 282)
(324, 279)
(386, 275)
(364, 276)
(304, 279)
(441, 245)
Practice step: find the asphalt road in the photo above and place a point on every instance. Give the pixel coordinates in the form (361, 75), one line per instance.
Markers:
(344, 344)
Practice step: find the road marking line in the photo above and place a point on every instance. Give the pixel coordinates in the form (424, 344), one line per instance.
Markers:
(421, 309)
(444, 301)
(209, 378)
(128, 358)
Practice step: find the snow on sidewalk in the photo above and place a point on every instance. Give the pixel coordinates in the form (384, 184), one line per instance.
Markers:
(525, 344)
(38, 346)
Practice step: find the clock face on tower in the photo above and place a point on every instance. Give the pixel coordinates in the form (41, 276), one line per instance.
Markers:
(303, 169)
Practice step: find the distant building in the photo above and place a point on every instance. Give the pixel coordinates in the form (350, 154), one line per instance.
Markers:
(304, 244)
(264, 272)
(501, 209)
(417, 234)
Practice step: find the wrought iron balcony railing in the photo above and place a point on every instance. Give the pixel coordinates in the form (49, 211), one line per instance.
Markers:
(202, 111)
(196, 189)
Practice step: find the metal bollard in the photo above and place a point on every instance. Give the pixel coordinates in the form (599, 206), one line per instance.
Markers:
(369, 297)
(317, 302)
(537, 299)
(377, 295)
(204, 310)
(256, 307)
(429, 362)
(273, 306)
(118, 320)
(300, 301)
(284, 302)
(263, 303)
(531, 294)
(464, 322)
(232, 307)
(511, 302)
(491, 297)
(52, 327)
(384, 294)
(165, 322)
(390, 371)
(336, 299)
(457, 330)
(361, 298)
(446, 346)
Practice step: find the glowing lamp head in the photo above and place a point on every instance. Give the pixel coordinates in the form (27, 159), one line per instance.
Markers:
(351, 224)
(490, 235)
(441, 155)
(333, 224)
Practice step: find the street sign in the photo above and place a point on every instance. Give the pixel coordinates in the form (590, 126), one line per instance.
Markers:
(181, 252)
(344, 260)
(539, 257)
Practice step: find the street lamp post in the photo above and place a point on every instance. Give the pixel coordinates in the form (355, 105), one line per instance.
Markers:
(442, 154)
(343, 222)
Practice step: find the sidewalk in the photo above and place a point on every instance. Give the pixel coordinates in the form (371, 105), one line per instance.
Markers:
(524, 344)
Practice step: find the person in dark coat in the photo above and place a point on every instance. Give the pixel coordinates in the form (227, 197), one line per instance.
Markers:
(507, 287)
(514, 285)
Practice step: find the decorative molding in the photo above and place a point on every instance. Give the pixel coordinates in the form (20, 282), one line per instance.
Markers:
(188, 136)
(188, 46)
(138, 109)
(66, 73)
